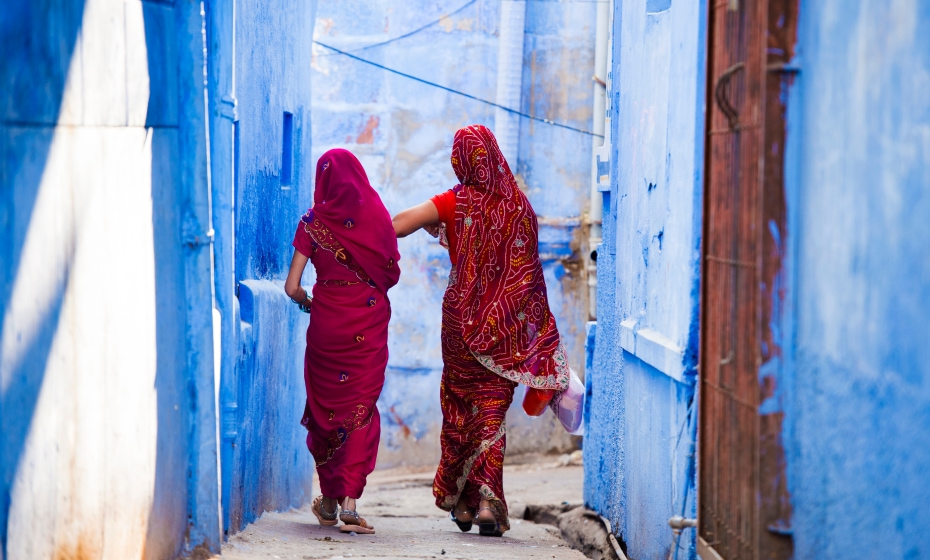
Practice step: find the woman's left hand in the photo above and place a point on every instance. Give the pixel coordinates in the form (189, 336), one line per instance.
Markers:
(432, 229)
(303, 299)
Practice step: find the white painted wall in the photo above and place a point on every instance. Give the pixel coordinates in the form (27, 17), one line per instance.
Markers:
(93, 289)
(86, 474)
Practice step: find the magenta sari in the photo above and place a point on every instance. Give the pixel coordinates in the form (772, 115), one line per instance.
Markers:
(349, 238)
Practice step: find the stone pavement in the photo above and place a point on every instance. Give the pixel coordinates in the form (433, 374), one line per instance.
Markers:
(399, 503)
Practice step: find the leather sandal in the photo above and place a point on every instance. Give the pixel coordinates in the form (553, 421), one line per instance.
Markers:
(325, 518)
(489, 527)
(353, 522)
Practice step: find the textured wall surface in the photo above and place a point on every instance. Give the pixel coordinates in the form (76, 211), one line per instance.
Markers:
(106, 364)
(853, 323)
(402, 132)
(270, 466)
(111, 355)
(858, 179)
(262, 173)
(641, 383)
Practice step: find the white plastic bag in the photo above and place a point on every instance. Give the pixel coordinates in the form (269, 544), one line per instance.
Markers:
(568, 406)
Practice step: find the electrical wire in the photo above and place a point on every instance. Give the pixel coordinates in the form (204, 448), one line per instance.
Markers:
(456, 11)
(410, 33)
(462, 93)
(417, 30)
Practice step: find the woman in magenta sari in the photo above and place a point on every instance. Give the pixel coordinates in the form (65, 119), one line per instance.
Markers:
(497, 329)
(348, 237)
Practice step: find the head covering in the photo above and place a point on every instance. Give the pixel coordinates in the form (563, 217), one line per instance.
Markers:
(500, 293)
(347, 204)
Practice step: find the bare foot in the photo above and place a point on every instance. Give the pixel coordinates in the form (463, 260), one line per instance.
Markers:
(330, 505)
(485, 513)
(350, 516)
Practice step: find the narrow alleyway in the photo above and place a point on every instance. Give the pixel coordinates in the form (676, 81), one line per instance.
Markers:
(399, 503)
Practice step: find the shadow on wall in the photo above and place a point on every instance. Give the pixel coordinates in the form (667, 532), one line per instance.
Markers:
(41, 42)
(167, 521)
(35, 69)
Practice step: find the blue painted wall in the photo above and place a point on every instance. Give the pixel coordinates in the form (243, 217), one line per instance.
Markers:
(271, 466)
(107, 408)
(261, 171)
(859, 173)
(123, 197)
(852, 313)
(641, 384)
(402, 132)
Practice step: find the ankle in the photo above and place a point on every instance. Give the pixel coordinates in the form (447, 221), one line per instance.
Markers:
(329, 505)
(463, 512)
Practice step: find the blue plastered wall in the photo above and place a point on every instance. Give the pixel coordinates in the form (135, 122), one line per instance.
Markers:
(272, 469)
(259, 85)
(402, 132)
(125, 183)
(107, 414)
(641, 386)
(859, 184)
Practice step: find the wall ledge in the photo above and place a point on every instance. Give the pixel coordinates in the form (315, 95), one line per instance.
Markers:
(654, 348)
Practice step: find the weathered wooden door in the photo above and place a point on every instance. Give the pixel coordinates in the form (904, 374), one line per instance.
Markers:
(743, 503)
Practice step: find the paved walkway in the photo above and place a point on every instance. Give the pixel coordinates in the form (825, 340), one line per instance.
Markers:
(399, 503)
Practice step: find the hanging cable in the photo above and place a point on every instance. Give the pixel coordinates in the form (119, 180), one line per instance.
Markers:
(454, 12)
(457, 92)
(417, 30)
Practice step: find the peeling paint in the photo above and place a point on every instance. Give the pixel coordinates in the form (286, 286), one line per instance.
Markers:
(324, 26)
(367, 135)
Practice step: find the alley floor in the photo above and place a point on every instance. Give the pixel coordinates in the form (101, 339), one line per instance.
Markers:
(399, 503)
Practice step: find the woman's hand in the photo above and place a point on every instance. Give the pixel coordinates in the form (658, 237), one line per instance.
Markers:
(422, 215)
(302, 299)
(432, 229)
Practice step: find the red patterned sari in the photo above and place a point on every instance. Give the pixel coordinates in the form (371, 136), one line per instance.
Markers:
(497, 329)
(349, 238)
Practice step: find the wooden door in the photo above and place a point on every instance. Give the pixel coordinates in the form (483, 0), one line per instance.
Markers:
(743, 503)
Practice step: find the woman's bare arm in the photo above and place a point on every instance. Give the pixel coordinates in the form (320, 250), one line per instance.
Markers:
(414, 218)
(292, 286)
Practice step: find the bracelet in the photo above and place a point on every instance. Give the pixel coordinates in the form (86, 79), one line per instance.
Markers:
(303, 305)
(306, 296)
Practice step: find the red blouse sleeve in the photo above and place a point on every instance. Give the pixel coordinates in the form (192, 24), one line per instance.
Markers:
(445, 204)
(302, 240)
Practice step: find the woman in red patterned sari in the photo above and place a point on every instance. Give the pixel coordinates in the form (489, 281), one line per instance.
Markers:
(497, 329)
(348, 237)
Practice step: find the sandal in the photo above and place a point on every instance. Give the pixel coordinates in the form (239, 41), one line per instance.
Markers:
(353, 522)
(325, 518)
(464, 526)
(489, 527)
